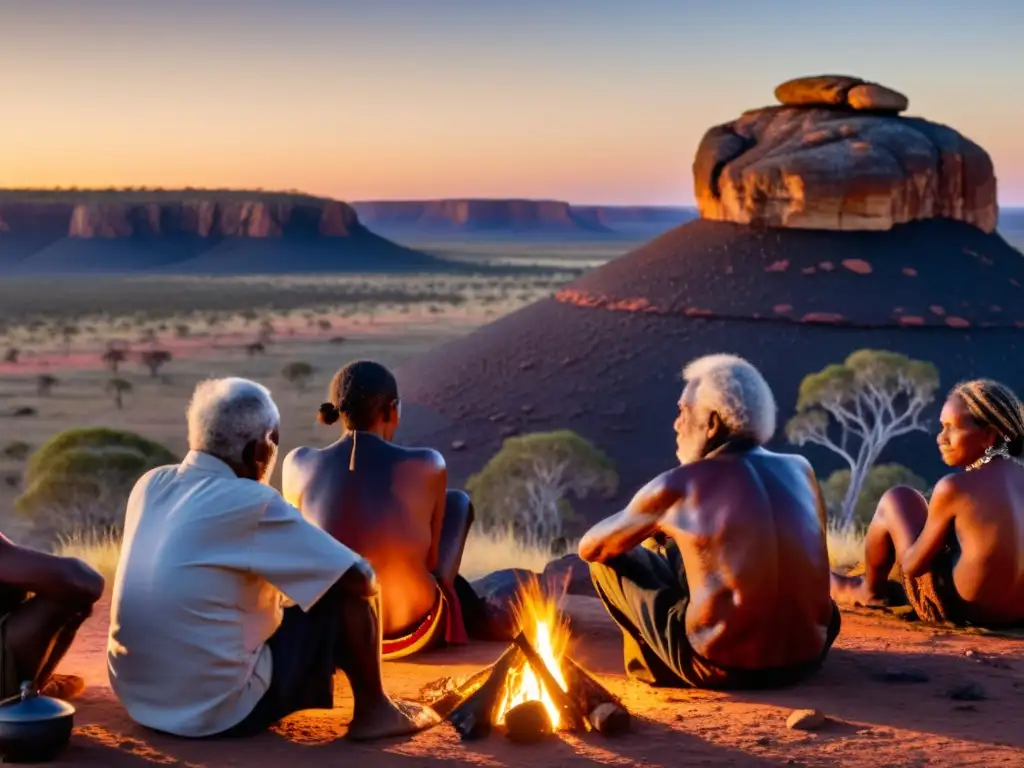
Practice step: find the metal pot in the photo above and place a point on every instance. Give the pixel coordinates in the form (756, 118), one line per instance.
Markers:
(34, 728)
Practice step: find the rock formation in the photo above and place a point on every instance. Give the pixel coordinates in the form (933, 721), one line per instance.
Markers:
(49, 232)
(836, 155)
(604, 356)
(478, 216)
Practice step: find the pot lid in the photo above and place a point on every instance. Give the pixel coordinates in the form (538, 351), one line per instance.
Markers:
(30, 707)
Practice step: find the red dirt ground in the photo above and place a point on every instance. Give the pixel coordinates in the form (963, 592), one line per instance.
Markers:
(873, 723)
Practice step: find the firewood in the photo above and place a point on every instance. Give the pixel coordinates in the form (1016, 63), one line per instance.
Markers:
(474, 717)
(573, 717)
(454, 693)
(527, 722)
(604, 710)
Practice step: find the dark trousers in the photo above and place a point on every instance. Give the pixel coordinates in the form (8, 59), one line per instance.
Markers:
(647, 595)
(306, 652)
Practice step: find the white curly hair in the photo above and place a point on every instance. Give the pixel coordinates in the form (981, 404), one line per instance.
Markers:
(734, 389)
(225, 415)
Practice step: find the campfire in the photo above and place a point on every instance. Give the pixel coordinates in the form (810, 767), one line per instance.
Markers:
(534, 689)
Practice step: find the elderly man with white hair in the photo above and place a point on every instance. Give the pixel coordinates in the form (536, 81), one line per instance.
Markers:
(230, 610)
(730, 588)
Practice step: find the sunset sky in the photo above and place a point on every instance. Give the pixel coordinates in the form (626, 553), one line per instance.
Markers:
(600, 101)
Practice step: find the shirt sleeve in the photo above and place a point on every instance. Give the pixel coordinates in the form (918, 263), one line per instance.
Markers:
(299, 559)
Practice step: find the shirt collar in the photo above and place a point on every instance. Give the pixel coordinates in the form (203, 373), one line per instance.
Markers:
(205, 462)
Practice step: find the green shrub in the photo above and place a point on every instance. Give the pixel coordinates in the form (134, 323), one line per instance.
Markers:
(878, 480)
(81, 478)
(524, 488)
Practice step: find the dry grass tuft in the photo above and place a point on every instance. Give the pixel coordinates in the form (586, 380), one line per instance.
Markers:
(845, 546)
(97, 548)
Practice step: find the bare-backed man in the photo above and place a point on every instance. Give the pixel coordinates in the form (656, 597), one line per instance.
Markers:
(391, 504)
(736, 593)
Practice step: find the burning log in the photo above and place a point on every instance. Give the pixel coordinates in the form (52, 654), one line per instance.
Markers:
(474, 717)
(528, 722)
(573, 717)
(603, 709)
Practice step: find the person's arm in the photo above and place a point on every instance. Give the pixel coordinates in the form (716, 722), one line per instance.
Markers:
(298, 558)
(439, 489)
(63, 579)
(624, 530)
(917, 558)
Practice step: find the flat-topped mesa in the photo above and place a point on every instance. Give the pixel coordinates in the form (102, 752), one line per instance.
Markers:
(196, 217)
(837, 155)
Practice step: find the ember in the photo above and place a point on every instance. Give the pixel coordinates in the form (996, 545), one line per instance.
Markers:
(534, 689)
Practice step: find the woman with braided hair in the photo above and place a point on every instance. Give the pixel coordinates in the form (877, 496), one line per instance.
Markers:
(961, 553)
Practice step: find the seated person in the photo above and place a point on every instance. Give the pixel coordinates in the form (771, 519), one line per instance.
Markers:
(36, 631)
(392, 506)
(961, 554)
(737, 594)
(230, 611)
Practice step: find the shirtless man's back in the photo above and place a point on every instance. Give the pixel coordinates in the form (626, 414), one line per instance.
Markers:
(749, 530)
(386, 508)
(739, 596)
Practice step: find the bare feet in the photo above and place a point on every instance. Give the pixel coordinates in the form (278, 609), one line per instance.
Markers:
(852, 590)
(64, 687)
(392, 718)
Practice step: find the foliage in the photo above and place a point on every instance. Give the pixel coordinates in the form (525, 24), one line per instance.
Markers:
(81, 478)
(113, 357)
(298, 374)
(118, 388)
(525, 486)
(857, 407)
(155, 359)
(877, 481)
(16, 450)
(45, 383)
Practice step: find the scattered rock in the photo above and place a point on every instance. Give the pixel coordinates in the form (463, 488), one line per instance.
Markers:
(898, 675)
(526, 408)
(570, 571)
(823, 90)
(967, 692)
(496, 417)
(23, 411)
(857, 266)
(458, 445)
(806, 720)
(909, 271)
(527, 722)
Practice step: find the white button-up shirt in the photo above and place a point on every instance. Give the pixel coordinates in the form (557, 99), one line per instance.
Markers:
(207, 564)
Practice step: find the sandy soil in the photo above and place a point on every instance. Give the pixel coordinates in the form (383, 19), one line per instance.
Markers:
(873, 722)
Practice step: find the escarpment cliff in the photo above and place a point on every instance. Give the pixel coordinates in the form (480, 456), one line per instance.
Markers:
(194, 231)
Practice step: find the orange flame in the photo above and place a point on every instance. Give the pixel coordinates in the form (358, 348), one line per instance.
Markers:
(548, 633)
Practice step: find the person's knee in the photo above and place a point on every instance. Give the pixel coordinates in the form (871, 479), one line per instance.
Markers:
(901, 500)
(458, 504)
(360, 581)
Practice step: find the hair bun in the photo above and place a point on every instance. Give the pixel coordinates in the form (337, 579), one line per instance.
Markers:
(328, 414)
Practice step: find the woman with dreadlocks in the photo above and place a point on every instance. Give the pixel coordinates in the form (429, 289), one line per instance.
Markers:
(961, 553)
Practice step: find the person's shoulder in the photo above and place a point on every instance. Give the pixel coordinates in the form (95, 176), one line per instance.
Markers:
(299, 457)
(156, 476)
(430, 458)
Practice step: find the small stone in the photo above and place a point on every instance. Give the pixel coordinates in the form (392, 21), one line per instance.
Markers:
(778, 266)
(806, 720)
(609, 719)
(909, 272)
(458, 445)
(896, 675)
(857, 266)
(527, 409)
(967, 692)
(958, 322)
(495, 417)
(828, 90)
